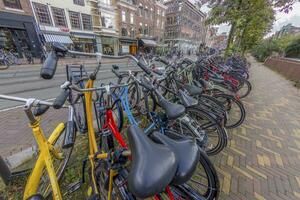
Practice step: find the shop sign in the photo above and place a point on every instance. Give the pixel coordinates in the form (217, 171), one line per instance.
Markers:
(125, 49)
(65, 30)
(54, 29)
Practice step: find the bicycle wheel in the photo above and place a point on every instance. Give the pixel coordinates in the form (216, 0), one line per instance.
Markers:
(134, 95)
(215, 139)
(204, 184)
(245, 89)
(59, 166)
(119, 190)
(80, 114)
(235, 109)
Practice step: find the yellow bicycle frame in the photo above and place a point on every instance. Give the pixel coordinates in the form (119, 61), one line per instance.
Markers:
(45, 160)
(93, 148)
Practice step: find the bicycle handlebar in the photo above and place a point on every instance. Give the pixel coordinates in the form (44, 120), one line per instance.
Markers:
(49, 67)
(36, 102)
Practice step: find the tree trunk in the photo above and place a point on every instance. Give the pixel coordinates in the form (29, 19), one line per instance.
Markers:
(230, 38)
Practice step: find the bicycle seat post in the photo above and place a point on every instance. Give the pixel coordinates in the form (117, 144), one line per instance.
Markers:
(27, 108)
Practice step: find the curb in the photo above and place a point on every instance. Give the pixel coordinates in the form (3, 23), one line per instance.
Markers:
(20, 158)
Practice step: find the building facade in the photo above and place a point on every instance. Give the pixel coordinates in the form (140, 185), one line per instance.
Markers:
(68, 22)
(17, 28)
(150, 23)
(185, 29)
(127, 27)
(159, 22)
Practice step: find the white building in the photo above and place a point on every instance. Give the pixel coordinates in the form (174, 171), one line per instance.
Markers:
(65, 21)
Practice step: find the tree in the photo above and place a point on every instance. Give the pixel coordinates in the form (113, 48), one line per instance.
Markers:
(239, 14)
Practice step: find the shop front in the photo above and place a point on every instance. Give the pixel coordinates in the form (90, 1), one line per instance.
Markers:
(18, 34)
(84, 42)
(110, 45)
(147, 45)
(128, 46)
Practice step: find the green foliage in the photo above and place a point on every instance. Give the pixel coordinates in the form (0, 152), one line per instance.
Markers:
(250, 20)
(293, 49)
(288, 45)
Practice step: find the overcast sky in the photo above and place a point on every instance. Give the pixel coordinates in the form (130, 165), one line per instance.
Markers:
(281, 19)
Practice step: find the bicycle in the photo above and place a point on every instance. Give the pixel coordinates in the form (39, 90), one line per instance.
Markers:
(54, 151)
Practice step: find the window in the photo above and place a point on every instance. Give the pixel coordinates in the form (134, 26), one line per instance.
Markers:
(158, 11)
(42, 14)
(75, 20)
(12, 4)
(107, 22)
(151, 14)
(86, 22)
(146, 30)
(163, 13)
(107, 2)
(162, 24)
(79, 2)
(157, 23)
(132, 32)
(140, 11)
(146, 13)
(59, 17)
(123, 16)
(131, 18)
(124, 32)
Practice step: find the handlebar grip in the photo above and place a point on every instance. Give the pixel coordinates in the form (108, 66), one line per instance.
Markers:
(61, 99)
(49, 67)
(144, 68)
(69, 138)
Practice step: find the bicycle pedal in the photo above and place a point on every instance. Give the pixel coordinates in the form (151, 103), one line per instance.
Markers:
(73, 187)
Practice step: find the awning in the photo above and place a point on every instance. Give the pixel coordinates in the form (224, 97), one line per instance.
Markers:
(64, 39)
(149, 43)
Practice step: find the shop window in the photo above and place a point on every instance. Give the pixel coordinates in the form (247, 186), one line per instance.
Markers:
(124, 32)
(141, 30)
(12, 4)
(86, 22)
(79, 2)
(75, 20)
(146, 31)
(59, 17)
(42, 13)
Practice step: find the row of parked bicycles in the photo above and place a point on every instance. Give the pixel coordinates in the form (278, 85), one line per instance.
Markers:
(150, 132)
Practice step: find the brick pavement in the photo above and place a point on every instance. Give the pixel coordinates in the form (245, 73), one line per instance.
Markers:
(263, 156)
(15, 135)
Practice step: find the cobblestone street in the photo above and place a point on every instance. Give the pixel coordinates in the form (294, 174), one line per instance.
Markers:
(263, 156)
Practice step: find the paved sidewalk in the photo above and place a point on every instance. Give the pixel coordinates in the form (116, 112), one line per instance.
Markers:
(262, 160)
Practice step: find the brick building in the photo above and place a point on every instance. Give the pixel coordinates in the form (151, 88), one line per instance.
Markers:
(17, 28)
(150, 21)
(185, 29)
(127, 27)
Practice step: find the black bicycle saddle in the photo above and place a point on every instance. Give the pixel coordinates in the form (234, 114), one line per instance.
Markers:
(192, 89)
(172, 110)
(187, 100)
(153, 165)
(187, 153)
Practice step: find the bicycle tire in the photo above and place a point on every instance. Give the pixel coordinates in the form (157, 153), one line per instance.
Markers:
(229, 99)
(191, 192)
(248, 89)
(219, 132)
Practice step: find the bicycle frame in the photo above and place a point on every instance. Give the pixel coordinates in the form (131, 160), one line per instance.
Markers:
(93, 148)
(44, 160)
(125, 104)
